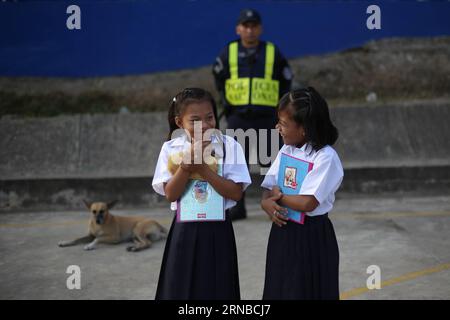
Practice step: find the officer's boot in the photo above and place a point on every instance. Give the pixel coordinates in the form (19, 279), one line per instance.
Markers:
(238, 211)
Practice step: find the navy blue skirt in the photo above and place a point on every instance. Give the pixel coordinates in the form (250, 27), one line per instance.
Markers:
(302, 261)
(199, 262)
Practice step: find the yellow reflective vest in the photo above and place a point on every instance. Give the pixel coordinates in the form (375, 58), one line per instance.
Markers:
(251, 91)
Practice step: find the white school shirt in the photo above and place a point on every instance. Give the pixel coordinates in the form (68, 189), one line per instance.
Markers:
(322, 181)
(234, 167)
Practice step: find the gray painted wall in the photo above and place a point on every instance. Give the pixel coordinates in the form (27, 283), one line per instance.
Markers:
(54, 163)
(127, 145)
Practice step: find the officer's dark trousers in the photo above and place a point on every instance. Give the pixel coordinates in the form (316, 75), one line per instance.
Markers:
(253, 121)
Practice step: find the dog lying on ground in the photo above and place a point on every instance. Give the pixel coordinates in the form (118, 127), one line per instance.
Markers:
(107, 228)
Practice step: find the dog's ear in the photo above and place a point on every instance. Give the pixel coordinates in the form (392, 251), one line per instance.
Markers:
(112, 204)
(87, 204)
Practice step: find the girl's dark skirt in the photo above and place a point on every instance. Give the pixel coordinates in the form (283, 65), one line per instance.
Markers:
(199, 262)
(302, 261)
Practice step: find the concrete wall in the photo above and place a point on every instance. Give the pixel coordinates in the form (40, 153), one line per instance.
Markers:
(82, 146)
(127, 145)
(394, 135)
(66, 158)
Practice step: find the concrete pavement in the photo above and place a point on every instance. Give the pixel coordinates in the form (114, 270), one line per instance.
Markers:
(407, 238)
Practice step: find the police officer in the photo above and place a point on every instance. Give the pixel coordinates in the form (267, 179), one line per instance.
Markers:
(251, 76)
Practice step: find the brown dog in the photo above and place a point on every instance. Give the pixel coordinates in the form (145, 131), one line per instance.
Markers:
(106, 228)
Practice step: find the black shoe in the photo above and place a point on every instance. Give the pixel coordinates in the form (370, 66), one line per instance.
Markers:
(238, 211)
(237, 215)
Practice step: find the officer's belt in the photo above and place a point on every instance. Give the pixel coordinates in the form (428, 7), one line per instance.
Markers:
(248, 113)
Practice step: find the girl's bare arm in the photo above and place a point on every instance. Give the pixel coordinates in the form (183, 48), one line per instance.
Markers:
(175, 187)
(226, 188)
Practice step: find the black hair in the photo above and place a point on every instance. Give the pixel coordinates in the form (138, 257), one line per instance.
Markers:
(310, 111)
(183, 99)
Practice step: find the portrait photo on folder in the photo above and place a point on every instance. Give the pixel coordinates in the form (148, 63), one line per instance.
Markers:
(291, 175)
(200, 202)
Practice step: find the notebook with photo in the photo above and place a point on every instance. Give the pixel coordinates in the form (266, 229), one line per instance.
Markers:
(200, 202)
(291, 174)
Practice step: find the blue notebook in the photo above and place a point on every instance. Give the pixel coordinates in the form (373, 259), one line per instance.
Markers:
(291, 174)
(200, 202)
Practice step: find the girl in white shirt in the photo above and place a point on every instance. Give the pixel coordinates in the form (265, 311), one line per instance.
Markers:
(303, 259)
(200, 259)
